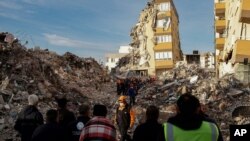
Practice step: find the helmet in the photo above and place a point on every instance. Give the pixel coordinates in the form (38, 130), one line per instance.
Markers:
(122, 98)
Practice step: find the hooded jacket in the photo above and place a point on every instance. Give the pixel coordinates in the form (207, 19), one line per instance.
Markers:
(28, 120)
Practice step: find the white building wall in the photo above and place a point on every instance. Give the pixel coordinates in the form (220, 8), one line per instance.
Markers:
(111, 64)
(122, 51)
(125, 49)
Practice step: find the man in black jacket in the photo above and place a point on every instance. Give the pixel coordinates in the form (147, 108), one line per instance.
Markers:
(51, 131)
(151, 130)
(75, 127)
(28, 119)
(64, 115)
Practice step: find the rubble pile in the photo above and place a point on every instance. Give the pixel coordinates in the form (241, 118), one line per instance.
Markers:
(48, 75)
(226, 99)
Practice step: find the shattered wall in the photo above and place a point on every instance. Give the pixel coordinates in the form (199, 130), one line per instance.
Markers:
(232, 33)
(155, 34)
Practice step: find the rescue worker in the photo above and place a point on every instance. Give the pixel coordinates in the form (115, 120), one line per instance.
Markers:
(119, 88)
(125, 118)
(188, 124)
(132, 94)
(29, 119)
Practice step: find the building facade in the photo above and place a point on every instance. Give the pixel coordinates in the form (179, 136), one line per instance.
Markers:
(232, 38)
(155, 38)
(204, 60)
(113, 58)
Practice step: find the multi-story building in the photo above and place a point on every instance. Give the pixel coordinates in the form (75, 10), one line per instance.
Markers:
(204, 60)
(113, 58)
(155, 38)
(232, 38)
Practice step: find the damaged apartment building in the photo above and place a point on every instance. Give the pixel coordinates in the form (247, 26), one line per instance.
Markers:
(155, 40)
(232, 38)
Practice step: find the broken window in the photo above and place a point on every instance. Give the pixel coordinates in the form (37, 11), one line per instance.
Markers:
(166, 55)
(164, 6)
(164, 39)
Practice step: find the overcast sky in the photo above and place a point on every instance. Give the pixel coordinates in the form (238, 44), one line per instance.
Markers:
(95, 27)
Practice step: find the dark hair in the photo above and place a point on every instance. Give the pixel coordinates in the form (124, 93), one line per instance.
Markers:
(188, 104)
(61, 102)
(100, 110)
(152, 112)
(83, 109)
(51, 115)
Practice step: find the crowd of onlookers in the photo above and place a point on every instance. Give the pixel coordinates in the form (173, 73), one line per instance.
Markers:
(189, 124)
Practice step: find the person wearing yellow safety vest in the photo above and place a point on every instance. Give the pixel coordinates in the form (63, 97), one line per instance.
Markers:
(188, 124)
(124, 117)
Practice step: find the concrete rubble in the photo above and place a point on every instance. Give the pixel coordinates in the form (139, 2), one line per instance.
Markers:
(226, 99)
(82, 80)
(36, 71)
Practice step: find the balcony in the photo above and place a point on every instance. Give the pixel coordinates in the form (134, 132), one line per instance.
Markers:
(241, 51)
(161, 1)
(220, 26)
(163, 46)
(164, 64)
(219, 43)
(245, 11)
(163, 15)
(162, 31)
(220, 9)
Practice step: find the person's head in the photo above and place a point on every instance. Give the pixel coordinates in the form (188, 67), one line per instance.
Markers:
(84, 110)
(61, 102)
(51, 116)
(33, 99)
(100, 110)
(152, 113)
(188, 104)
(122, 100)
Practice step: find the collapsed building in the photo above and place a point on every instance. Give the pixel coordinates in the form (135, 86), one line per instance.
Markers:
(155, 40)
(25, 71)
(226, 99)
(82, 80)
(232, 38)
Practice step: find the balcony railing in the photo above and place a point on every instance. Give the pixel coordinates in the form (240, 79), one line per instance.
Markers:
(245, 11)
(220, 43)
(220, 26)
(241, 51)
(220, 9)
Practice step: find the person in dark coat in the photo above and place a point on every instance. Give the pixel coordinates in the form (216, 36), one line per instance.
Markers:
(75, 127)
(51, 131)
(28, 119)
(132, 94)
(119, 87)
(151, 130)
(64, 115)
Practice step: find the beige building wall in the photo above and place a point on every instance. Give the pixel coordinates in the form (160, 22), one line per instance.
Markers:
(172, 48)
(150, 45)
(232, 43)
(155, 39)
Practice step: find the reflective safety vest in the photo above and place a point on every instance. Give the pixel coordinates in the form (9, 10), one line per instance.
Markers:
(207, 132)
